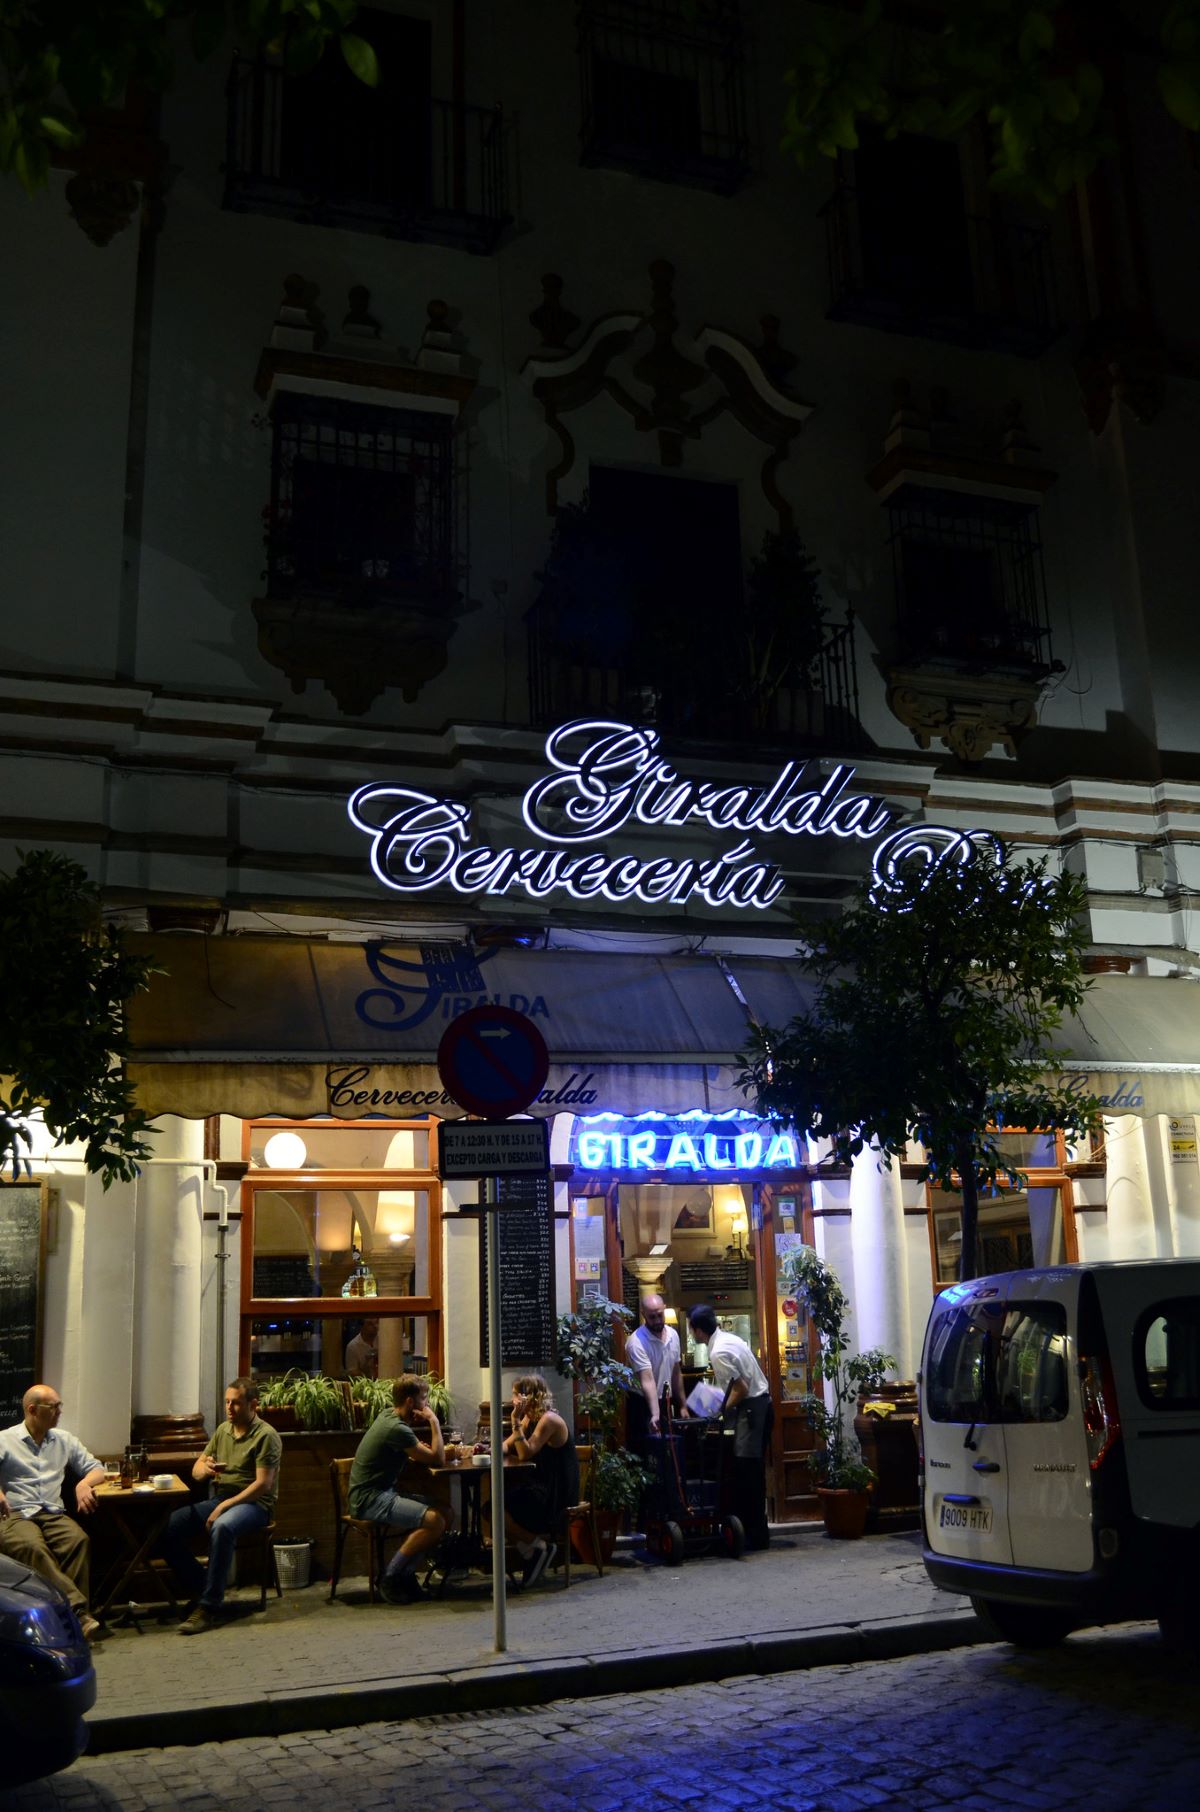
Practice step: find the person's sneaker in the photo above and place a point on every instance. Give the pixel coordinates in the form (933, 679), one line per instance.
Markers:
(200, 1620)
(92, 1631)
(537, 1563)
(404, 1588)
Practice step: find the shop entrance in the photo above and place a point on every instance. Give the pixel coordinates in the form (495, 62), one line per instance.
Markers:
(720, 1241)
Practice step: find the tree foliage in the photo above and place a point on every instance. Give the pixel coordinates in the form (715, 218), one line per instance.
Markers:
(65, 979)
(1031, 74)
(932, 1022)
(62, 59)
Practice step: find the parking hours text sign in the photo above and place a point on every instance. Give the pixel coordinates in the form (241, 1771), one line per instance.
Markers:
(492, 1148)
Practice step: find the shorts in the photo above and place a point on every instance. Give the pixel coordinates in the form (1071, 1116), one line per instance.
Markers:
(396, 1511)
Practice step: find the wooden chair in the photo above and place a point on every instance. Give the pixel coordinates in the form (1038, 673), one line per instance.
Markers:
(583, 1512)
(262, 1542)
(375, 1533)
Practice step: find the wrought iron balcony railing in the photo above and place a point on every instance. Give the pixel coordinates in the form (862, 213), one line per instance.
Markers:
(971, 280)
(700, 701)
(427, 170)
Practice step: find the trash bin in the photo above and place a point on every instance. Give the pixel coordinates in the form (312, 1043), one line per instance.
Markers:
(293, 1558)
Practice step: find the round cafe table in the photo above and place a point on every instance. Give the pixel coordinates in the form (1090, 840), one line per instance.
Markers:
(464, 1549)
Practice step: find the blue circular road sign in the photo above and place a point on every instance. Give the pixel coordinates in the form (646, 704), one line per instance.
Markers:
(493, 1061)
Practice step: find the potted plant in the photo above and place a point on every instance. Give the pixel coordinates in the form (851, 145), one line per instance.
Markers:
(843, 1478)
(315, 1401)
(585, 1353)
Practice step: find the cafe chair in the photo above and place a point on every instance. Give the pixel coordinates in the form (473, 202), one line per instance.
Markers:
(375, 1533)
(261, 1544)
(583, 1513)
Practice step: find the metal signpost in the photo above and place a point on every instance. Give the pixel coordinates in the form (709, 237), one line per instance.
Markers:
(493, 1061)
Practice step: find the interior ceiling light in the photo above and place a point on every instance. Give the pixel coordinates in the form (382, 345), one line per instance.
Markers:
(285, 1151)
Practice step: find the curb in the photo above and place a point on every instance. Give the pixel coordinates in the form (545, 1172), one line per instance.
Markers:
(526, 1683)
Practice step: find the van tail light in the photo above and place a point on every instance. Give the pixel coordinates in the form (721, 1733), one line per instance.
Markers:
(1101, 1423)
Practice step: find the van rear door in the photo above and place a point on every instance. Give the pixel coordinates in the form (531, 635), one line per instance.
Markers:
(966, 1482)
(1037, 1392)
(1151, 1318)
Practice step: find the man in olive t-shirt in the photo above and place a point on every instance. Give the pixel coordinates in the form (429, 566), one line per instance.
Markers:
(240, 1466)
(410, 1433)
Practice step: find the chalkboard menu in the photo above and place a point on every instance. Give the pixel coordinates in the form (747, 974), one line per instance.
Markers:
(526, 1235)
(22, 1217)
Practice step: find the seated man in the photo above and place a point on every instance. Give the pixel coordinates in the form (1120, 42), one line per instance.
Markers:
(411, 1433)
(35, 1456)
(240, 1466)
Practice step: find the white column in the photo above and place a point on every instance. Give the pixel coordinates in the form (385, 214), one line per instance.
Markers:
(1177, 1188)
(1131, 1232)
(106, 1318)
(880, 1293)
(169, 1272)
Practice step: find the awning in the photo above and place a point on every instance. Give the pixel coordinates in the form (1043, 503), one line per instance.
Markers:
(254, 1026)
(1135, 1044)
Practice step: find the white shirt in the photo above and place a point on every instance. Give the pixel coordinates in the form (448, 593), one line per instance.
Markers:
(362, 1357)
(645, 1352)
(31, 1477)
(731, 1359)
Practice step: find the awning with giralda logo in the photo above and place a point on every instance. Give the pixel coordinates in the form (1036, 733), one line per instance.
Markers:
(252, 1026)
(277, 1025)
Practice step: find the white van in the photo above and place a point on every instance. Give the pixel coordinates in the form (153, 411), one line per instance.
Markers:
(1060, 1444)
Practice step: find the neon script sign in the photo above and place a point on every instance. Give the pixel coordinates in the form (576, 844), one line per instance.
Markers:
(682, 1145)
(606, 776)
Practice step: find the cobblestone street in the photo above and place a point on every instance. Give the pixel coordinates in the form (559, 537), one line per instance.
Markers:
(1110, 1721)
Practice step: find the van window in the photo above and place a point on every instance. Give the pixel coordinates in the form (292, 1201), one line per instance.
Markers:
(1166, 1354)
(988, 1362)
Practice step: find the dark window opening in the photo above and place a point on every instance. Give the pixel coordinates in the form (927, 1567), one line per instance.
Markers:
(913, 222)
(1166, 1354)
(362, 502)
(663, 89)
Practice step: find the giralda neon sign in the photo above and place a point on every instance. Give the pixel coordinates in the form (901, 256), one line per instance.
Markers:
(693, 1144)
(605, 776)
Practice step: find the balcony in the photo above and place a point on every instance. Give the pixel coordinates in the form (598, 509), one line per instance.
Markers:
(695, 697)
(429, 171)
(664, 90)
(968, 280)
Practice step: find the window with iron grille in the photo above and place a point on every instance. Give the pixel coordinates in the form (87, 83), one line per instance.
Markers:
(970, 586)
(664, 89)
(362, 502)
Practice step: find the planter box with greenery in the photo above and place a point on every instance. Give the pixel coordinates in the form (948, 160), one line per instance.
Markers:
(585, 1353)
(841, 1475)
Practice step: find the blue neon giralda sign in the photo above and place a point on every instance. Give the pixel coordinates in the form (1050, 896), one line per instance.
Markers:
(606, 776)
(683, 1146)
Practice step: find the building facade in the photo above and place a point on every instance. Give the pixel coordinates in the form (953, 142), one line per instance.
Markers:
(509, 536)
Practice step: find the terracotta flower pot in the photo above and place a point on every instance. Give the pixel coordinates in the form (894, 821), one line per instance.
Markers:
(281, 1417)
(844, 1512)
(607, 1522)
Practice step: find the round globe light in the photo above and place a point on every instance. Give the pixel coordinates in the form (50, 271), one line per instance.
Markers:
(285, 1151)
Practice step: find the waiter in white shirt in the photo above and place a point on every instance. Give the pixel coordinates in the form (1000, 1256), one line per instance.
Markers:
(652, 1354)
(748, 1405)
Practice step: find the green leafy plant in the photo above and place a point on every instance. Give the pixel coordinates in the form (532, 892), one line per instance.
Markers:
(838, 1463)
(1032, 75)
(375, 1395)
(319, 1401)
(61, 60)
(939, 991)
(440, 1400)
(782, 627)
(65, 981)
(585, 1353)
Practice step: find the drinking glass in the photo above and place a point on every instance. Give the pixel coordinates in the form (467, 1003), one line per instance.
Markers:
(112, 1472)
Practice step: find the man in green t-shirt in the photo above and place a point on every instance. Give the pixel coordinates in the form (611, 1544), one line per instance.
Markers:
(240, 1466)
(409, 1433)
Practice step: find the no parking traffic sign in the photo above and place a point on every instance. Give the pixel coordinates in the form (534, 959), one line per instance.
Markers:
(493, 1061)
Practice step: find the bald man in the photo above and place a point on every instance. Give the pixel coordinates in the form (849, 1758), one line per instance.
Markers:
(35, 1456)
(652, 1353)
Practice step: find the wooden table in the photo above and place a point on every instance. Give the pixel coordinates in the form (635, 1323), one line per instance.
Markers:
(464, 1548)
(138, 1515)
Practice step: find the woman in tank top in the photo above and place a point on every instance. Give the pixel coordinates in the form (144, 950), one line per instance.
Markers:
(533, 1507)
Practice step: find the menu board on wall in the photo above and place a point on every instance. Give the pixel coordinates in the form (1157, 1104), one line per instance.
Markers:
(22, 1224)
(526, 1233)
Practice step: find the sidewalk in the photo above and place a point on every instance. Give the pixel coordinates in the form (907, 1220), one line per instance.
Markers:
(306, 1664)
